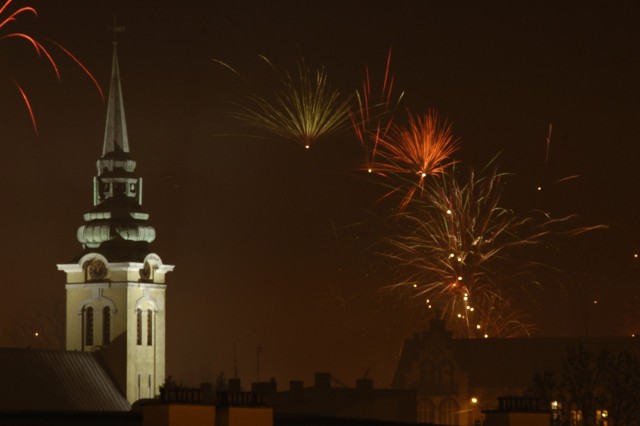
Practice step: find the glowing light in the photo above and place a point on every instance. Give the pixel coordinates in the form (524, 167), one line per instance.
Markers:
(486, 336)
(635, 255)
(595, 302)
(415, 286)
(474, 400)
(478, 326)
(449, 211)
(459, 278)
(539, 188)
(36, 334)
(452, 255)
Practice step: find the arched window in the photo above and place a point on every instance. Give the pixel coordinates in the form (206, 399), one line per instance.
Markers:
(139, 326)
(426, 411)
(88, 326)
(449, 412)
(106, 325)
(149, 327)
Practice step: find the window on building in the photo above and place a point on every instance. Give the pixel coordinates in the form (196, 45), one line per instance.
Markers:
(88, 326)
(449, 412)
(149, 327)
(106, 325)
(139, 326)
(426, 411)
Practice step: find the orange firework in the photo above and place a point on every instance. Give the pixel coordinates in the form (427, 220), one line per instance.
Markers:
(6, 18)
(412, 153)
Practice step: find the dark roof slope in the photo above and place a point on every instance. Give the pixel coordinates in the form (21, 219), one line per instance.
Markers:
(37, 380)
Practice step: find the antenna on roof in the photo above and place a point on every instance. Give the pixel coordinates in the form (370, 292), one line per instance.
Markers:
(235, 362)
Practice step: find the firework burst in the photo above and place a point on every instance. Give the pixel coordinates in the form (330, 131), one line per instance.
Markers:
(303, 109)
(414, 152)
(7, 17)
(466, 255)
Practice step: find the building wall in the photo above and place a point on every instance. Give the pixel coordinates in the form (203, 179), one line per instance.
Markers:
(140, 369)
(178, 415)
(517, 419)
(244, 416)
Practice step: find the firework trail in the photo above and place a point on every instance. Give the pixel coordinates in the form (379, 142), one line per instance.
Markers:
(7, 17)
(547, 158)
(303, 109)
(372, 119)
(468, 256)
(412, 153)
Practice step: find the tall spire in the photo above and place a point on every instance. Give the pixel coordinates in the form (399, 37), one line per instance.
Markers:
(116, 139)
(116, 227)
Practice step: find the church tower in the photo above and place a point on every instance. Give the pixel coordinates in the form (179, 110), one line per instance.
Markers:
(116, 287)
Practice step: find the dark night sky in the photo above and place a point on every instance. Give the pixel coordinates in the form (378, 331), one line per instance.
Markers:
(275, 245)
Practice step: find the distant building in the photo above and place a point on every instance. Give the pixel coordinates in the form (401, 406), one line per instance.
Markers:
(326, 401)
(116, 287)
(456, 379)
(519, 411)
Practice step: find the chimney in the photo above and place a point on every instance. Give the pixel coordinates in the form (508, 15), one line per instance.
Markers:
(323, 380)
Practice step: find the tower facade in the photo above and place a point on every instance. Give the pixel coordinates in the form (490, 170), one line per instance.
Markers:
(116, 287)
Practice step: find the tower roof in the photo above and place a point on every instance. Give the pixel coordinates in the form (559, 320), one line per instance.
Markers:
(116, 139)
(116, 227)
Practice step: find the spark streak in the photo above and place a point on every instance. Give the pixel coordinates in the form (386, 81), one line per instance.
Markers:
(372, 120)
(40, 51)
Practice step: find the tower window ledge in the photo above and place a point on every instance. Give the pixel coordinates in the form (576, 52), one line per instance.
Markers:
(139, 215)
(96, 215)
